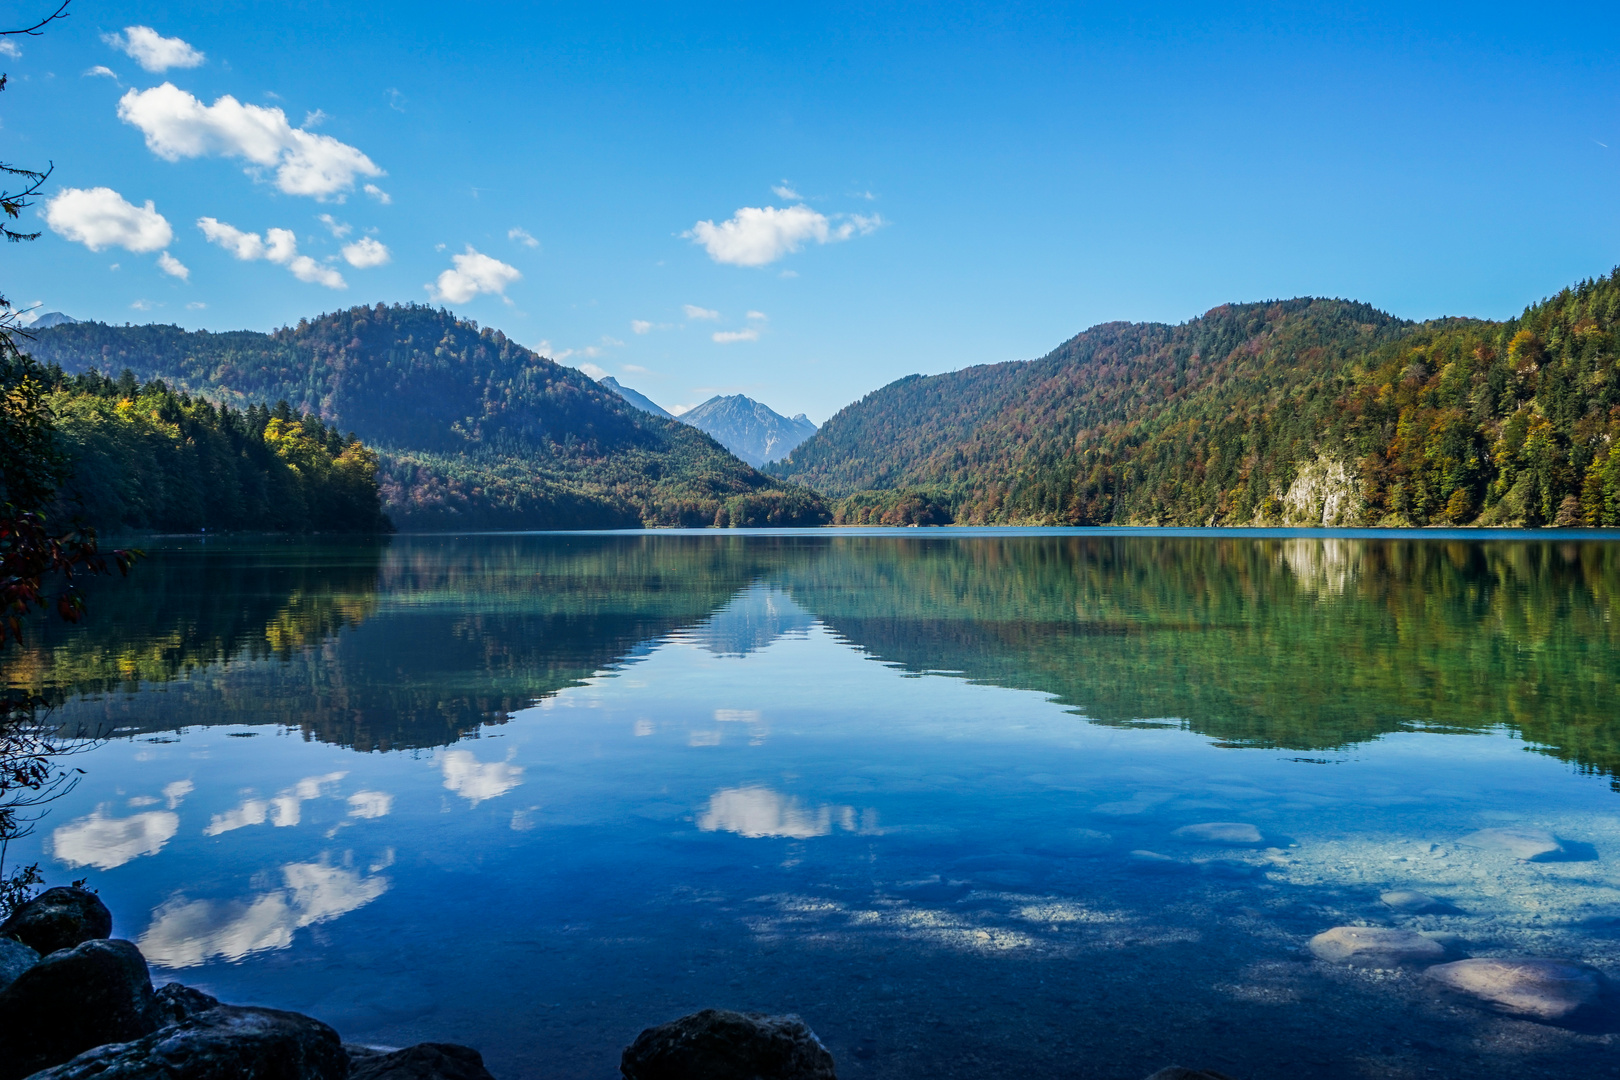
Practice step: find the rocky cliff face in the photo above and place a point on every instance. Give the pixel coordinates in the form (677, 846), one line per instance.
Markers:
(752, 431)
(1326, 494)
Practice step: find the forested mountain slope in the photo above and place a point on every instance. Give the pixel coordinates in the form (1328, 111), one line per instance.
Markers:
(474, 430)
(1303, 411)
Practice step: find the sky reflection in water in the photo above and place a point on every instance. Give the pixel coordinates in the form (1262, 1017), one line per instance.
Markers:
(969, 804)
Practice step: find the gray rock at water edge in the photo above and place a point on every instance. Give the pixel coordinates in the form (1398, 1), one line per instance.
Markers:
(226, 1041)
(1176, 1072)
(1375, 947)
(15, 958)
(59, 918)
(717, 1044)
(1536, 988)
(1220, 832)
(1412, 902)
(424, 1061)
(74, 999)
(1526, 844)
(175, 1004)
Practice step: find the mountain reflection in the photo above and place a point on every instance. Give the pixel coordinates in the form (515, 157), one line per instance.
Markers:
(1312, 644)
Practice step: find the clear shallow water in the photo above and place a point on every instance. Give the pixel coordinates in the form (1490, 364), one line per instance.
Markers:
(534, 793)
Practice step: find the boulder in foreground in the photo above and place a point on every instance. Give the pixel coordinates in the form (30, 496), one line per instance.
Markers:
(1542, 989)
(717, 1044)
(1375, 947)
(225, 1041)
(59, 918)
(74, 999)
(424, 1061)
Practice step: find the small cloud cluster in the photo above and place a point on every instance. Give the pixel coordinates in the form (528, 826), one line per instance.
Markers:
(758, 236)
(521, 236)
(470, 275)
(279, 246)
(365, 253)
(178, 125)
(100, 218)
(153, 51)
(695, 312)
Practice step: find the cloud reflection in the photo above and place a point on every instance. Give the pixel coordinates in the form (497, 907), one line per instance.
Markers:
(105, 842)
(185, 933)
(283, 810)
(476, 780)
(759, 811)
(370, 804)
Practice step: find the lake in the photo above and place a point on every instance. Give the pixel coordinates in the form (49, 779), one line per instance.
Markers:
(973, 803)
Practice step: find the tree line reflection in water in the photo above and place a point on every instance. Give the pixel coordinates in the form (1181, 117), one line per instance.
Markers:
(1306, 643)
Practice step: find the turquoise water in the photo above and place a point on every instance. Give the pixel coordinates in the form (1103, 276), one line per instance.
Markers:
(536, 792)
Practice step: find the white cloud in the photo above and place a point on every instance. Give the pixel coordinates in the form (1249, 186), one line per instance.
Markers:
(315, 118)
(101, 71)
(611, 341)
(178, 125)
(185, 933)
(279, 246)
(522, 236)
(784, 190)
(636, 369)
(285, 810)
(378, 193)
(365, 253)
(10, 48)
(138, 305)
(756, 236)
(593, 370)
(727, 337)
(153, 51)
(641, 326)
(759, 811)
(196, 305)
(100, 218)
(472, 274)
(105, 842)
(370, 804)
(695, 312)
(759, 316)
(476, 780)
(337, 228)
(178, 790)
(173, 267)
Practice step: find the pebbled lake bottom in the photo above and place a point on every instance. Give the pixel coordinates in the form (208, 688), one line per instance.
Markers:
(1032, 804)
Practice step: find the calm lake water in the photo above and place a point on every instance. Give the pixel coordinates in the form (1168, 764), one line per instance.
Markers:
(535, 792)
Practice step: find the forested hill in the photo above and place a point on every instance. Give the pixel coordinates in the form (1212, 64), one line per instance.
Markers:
(1302, 411)
(474, 430)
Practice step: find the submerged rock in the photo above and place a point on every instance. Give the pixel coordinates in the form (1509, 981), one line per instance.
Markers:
(1220, 832)
(1412, 902)
(15, 958)
(717, 1044)
(174, 1004)
(59, 918)
(424, 1061)
(1176, 1072)
(1375, 947)
(74, 999)
(1543, 989)
(225, 1041)
(1524, 844)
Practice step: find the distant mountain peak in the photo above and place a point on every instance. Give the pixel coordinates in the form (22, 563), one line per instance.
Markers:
(635, 397)
(749, 429)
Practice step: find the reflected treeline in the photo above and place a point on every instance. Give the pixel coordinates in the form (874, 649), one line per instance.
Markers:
(1311, 644)
(455, 633)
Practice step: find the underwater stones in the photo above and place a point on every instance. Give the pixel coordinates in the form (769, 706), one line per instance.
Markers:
(59, 918)
(717, 1044)
(1176, 1072)
(1537, 988)
(225, 1041)
(1412, 902)
(15, 958)
(424, 1061)
(1220, 832)
(1375, 947)
(72, 1000)
(1526, 844)
(1142, 861)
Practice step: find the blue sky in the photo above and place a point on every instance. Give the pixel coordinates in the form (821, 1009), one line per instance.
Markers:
(803, 203)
